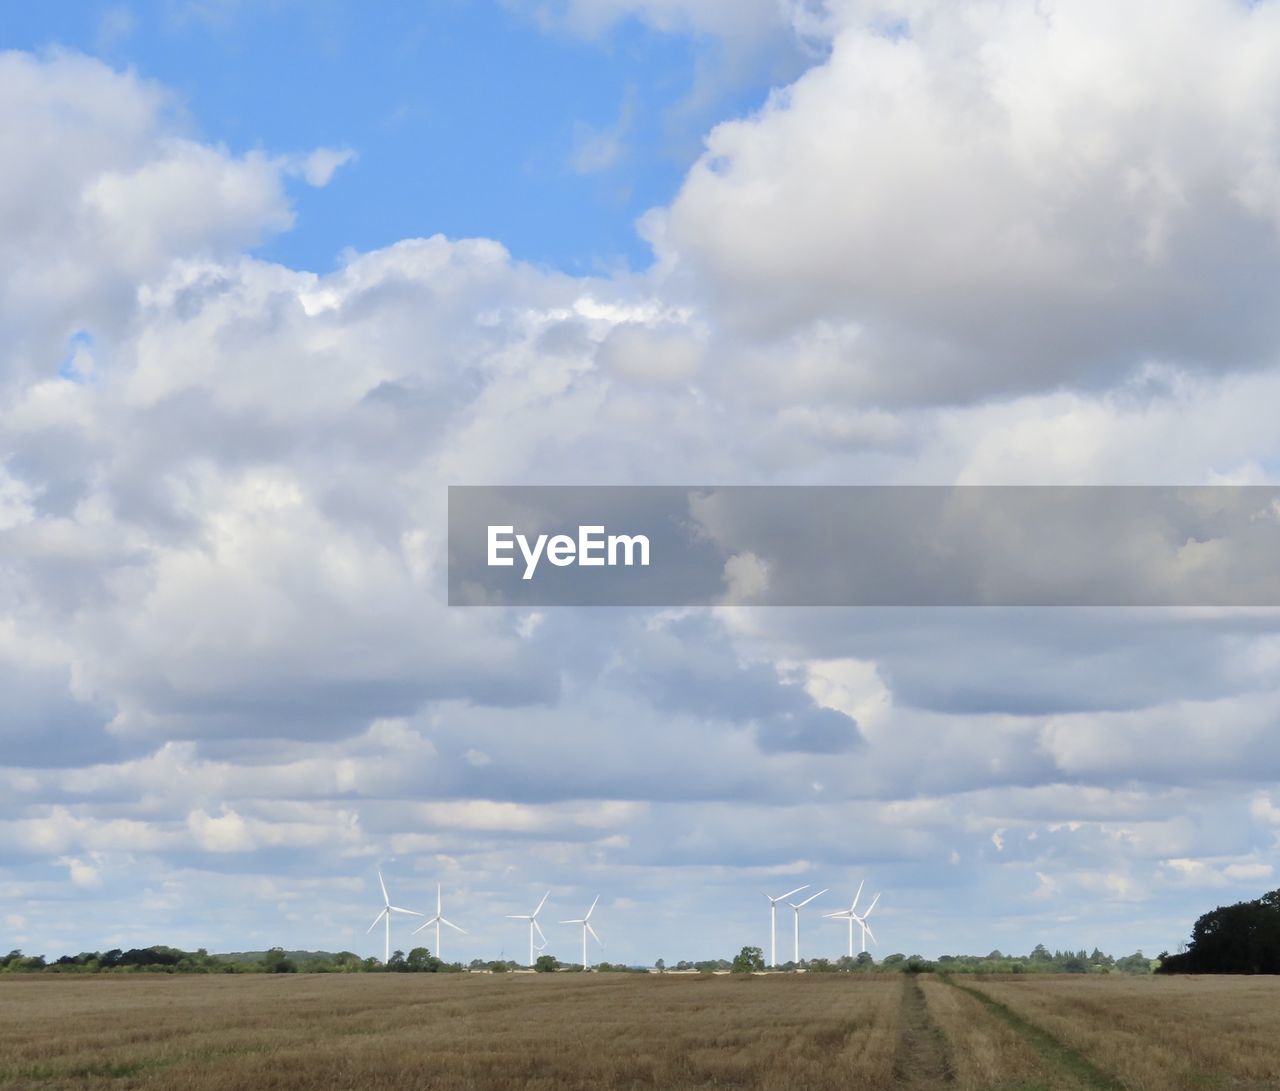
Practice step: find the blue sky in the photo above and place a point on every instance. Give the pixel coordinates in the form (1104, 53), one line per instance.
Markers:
(466, 117)
(899, 242)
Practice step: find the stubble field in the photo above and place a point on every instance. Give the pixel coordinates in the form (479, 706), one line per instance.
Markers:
(402, 1031)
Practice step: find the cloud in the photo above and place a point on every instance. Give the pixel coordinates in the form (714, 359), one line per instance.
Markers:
(956, 203)
(234, 684)
(318, 167)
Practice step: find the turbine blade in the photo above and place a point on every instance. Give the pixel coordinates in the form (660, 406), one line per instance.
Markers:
(857, 896)
(593, 933)
(518, 917)
(872, 906)
(592, 909)
(411, 912)
(450, 924)
(439, 904)
(870, 933)
(541, 904)
(540, 931)
(788, 894)
(811, 897)
(580, 921)
(376, 921)
(421, 927)
(386, 898)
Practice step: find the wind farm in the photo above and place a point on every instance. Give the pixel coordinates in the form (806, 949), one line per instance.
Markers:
(407, 1022)
(538, 941)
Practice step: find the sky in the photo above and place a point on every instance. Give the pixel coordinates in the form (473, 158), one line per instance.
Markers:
(274, 276)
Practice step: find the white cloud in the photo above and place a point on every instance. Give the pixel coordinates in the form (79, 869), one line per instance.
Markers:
(87, 875)
(227, 832)
(318, 167)
(223, 544)
(1001, 197)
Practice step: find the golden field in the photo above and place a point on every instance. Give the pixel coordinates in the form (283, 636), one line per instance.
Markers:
(395, 1032)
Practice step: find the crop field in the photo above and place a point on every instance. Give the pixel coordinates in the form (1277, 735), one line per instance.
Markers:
(422, 1031)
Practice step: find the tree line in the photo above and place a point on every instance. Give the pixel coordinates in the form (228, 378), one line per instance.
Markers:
(1233, 939)
(174, 960)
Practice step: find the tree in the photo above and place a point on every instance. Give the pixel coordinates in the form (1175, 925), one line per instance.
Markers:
(546, 964)
(275, 961)
(749, 960)
(421, 961)
(1236, 939)
(660, 965)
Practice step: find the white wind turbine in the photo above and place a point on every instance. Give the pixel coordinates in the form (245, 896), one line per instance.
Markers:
(385, 915)
(532, 918)
(438, 920)
(851, 915)
(773, 921)
(586, 927)
(862, 923)
(797, 906)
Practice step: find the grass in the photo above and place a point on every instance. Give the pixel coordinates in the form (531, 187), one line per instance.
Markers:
(1157, 1033)
(388, 1032)
(1063, 1062)
(421, 1031)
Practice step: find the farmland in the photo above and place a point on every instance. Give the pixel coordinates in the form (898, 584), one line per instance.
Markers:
(547, 1031)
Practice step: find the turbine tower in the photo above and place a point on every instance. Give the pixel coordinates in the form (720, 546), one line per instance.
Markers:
(438, 920)
(385, 915)
(773, 921)
(797, 906)
(586, 927)
(532, 918)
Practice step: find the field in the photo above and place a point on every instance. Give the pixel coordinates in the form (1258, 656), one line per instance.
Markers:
(819, 1032)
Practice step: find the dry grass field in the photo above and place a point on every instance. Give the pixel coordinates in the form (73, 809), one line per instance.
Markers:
(1158, 1033)
(398, 1032)
(418, 1031)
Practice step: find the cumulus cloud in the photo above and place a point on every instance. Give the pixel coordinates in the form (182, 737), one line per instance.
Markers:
(105, 188)
(228, 664)
(973, 198)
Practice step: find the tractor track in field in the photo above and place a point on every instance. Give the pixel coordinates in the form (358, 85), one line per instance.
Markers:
(923, 1057)
(1051, 1048)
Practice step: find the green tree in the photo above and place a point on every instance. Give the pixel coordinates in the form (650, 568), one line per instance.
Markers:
(421, 961)
(748, 961)
(546, 964)
(1235, 939)
(275, 961)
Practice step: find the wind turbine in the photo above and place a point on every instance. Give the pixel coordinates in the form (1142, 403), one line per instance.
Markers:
(586, 927)
(532, 918)
(438, 920)
(797, 906)
(385, 915)
(851, 915)
(862, 923)
(847, 915)
(773, 921)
